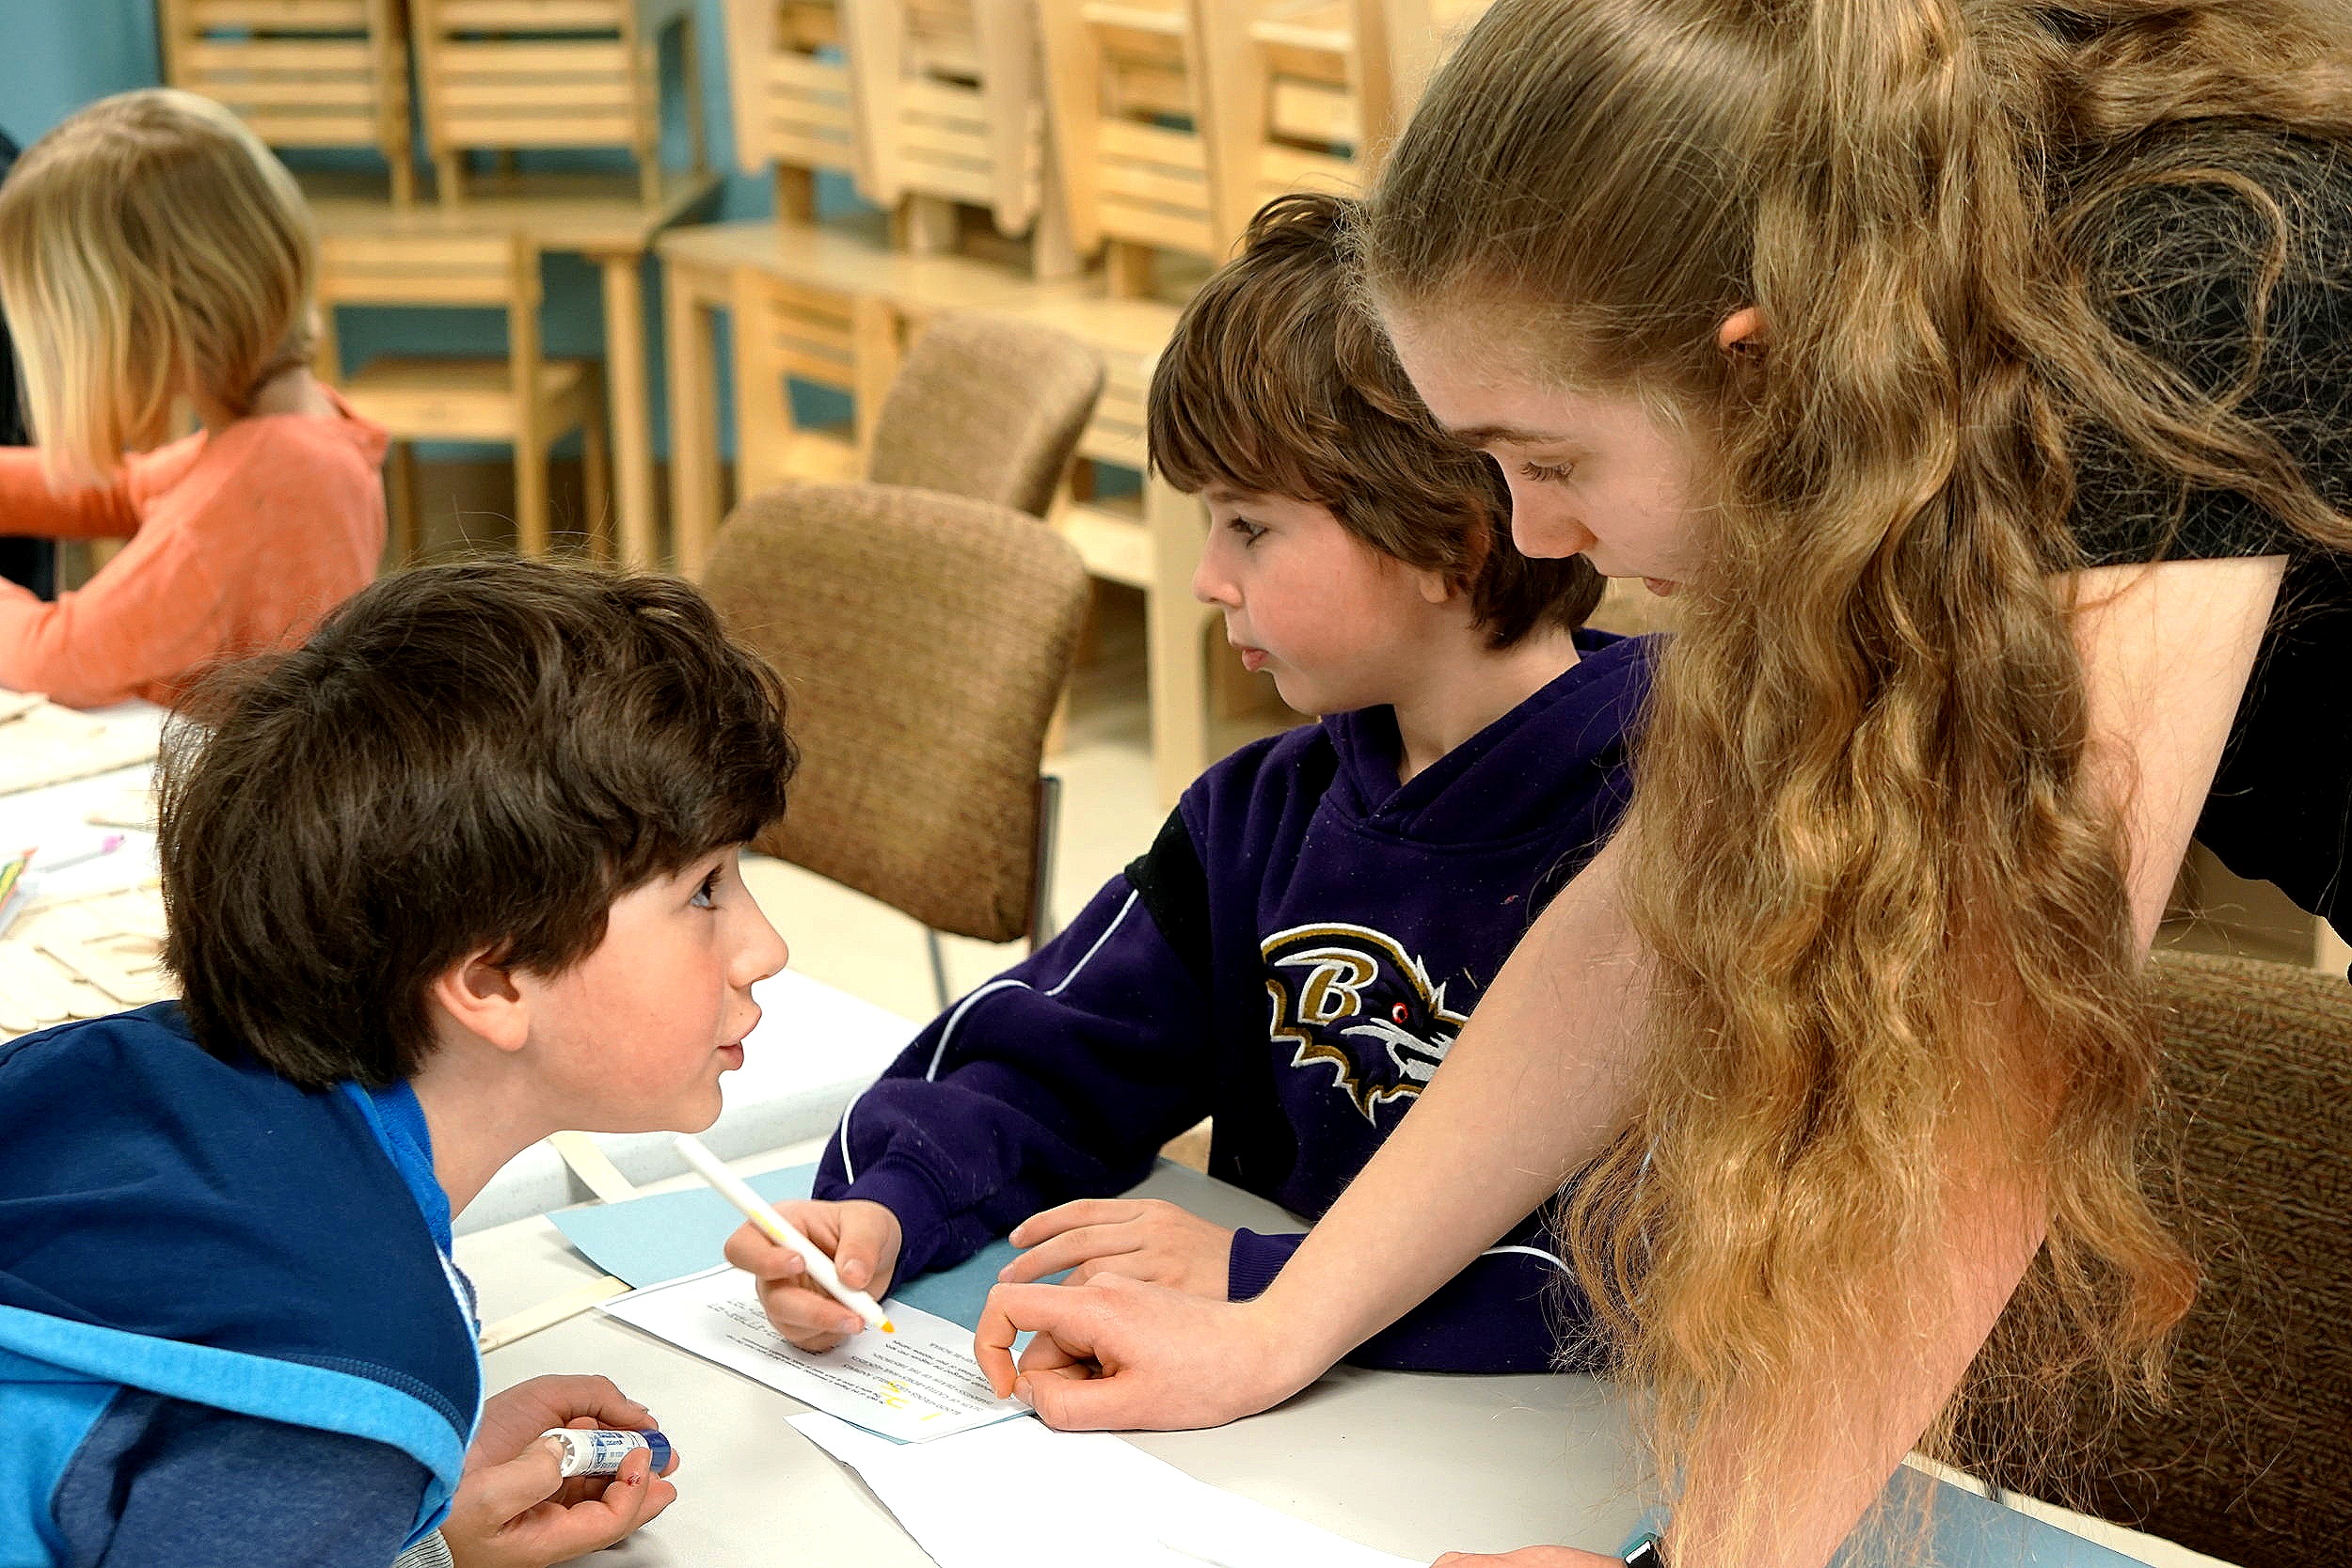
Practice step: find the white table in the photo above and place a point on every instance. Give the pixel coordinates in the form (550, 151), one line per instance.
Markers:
(1411, 1463)
(1414, 1463)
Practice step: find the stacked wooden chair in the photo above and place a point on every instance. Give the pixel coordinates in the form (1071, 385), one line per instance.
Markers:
(303, 74)
(1300, 93)
(505, 75)
(950, 113)
(791, 92)
(1124, 90)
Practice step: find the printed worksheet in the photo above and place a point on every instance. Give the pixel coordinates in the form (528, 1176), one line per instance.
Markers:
(912, 1385)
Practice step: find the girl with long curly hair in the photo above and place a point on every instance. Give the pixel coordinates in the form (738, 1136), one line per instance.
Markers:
(1979, 373)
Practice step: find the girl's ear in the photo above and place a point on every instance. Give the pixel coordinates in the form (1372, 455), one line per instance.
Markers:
(479, 995)
(1743, 329)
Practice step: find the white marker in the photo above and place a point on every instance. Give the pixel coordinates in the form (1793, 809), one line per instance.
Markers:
(760, 1212)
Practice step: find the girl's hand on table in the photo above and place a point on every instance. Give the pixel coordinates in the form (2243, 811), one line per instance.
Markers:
(1116, 1355)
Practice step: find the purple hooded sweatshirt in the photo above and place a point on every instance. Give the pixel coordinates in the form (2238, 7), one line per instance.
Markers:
(1293, 956)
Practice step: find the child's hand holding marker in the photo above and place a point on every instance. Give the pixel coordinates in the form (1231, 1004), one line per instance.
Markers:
(863, 1239)
(823, 1263)
(515, 1509)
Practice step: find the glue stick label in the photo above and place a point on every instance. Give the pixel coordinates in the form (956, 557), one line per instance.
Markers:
(600, 1452)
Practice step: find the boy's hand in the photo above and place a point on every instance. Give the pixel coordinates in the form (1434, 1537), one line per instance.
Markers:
(861, 1238)
(1141, 1238)
(514, 1510)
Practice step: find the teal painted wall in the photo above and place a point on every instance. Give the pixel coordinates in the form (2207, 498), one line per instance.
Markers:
(56, 55)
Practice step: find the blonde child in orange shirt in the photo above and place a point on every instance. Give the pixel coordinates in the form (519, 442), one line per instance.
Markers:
(152, 248)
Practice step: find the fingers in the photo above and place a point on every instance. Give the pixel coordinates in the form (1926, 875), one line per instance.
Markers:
(559, 1398)
(796, 1309)
(1075, 1399)
(634, 1496)
(1069, 1249)
(1051, 1311)
(1070, 1216)
(867, 1247)
(514, 1486)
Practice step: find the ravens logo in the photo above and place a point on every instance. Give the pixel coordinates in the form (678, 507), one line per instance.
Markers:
(1350, 998)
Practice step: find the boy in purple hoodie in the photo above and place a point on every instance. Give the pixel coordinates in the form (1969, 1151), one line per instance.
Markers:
(1295, 952)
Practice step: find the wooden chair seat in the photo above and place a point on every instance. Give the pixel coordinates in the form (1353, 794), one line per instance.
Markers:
(436, 399)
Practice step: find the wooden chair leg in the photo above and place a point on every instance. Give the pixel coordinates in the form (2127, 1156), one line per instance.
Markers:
(530, 499)
(597, 499)
(796, 194)
(1127, 270)
(400, 486)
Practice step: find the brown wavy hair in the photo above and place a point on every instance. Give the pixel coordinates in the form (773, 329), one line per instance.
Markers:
(1879, 874)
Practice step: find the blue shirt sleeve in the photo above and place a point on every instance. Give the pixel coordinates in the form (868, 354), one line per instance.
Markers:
(162, 1481)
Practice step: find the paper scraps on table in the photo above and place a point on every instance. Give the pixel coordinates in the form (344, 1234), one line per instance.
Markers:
(914, 1385)
(1113, 1504)
(49, 745)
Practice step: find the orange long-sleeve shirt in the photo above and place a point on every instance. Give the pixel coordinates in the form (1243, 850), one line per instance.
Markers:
(239, 541)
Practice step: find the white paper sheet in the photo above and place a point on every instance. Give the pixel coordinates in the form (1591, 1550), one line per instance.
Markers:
(914, 1385)
(1111, 1504)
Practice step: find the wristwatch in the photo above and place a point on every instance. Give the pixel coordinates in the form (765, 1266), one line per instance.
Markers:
(1647, 1552)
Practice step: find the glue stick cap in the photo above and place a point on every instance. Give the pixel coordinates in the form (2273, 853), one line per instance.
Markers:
(658, 1447)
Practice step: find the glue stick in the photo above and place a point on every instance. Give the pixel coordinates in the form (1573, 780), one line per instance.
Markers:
(600, 1452)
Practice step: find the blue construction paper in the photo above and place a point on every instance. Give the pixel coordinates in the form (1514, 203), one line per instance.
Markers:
(646, 1241)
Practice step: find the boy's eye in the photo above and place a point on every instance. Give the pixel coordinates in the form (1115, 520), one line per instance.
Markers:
(1547, 473)
(1250, 533)
(705, 893)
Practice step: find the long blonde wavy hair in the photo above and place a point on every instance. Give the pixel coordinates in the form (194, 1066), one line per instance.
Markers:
(1881, 882)
(148, 245)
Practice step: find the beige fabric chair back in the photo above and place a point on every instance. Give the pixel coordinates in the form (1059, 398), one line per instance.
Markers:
(989, 407)
(2253, 1460)
(925, 638)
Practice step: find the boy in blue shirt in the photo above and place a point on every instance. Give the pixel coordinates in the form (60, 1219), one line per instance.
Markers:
(458, 873)
(1294, 955)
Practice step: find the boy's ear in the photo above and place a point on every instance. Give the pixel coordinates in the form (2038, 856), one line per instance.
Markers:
(1437, 588)
(479, 996)
(1742, 331)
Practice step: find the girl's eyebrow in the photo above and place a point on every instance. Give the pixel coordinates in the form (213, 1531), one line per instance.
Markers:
(1485, 435)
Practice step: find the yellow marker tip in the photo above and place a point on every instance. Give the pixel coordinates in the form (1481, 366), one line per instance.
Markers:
(888, 1327)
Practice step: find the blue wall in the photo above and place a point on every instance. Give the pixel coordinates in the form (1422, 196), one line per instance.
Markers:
(60, 54)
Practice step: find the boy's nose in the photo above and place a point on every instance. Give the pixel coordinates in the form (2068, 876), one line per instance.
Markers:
(1211, 587)
(766, 953)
